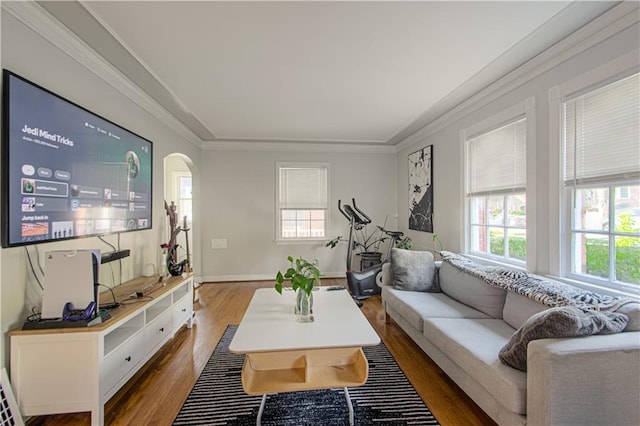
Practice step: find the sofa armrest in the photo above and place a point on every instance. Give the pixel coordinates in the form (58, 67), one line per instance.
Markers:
(387, 275)
(584, 381)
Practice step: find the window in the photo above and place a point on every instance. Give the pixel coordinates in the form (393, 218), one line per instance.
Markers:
(185, 197)
(302, 204)
(601, 175)
(623, 192)
(496, 192)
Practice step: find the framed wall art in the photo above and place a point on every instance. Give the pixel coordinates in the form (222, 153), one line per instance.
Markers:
(421, 190)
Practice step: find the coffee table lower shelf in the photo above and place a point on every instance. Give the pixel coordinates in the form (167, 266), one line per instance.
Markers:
(290, 371)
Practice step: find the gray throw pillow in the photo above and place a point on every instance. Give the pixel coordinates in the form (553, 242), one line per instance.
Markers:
(632, 310)
(414, 270)
(564, 321)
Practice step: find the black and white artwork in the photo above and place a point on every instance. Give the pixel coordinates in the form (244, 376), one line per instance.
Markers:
(421, 190)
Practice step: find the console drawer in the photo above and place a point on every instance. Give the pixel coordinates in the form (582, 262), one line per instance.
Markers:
(119, 362)
(181, 311)
(158, 330)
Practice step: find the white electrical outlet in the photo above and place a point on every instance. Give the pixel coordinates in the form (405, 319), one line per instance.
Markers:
(219, 243)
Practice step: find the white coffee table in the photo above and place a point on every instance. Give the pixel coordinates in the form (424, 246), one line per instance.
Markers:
(283, 355)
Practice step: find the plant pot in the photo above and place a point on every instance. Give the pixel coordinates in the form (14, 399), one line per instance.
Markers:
(370, 258)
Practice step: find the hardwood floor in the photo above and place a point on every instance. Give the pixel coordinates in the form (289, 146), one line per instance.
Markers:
(156, 393)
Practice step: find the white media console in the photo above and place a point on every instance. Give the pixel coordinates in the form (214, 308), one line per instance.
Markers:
(68, 370)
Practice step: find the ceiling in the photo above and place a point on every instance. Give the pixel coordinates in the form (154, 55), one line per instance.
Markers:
(317, 72)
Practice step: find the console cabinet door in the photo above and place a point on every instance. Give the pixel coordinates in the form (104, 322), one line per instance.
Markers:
(56, 373)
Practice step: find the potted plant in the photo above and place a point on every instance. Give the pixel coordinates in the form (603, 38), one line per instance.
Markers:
(367, 244)
(303, 275)
(406, 243)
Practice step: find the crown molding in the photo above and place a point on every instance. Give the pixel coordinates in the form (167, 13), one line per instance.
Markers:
(40, 21)
(606, 25)
(297, 147)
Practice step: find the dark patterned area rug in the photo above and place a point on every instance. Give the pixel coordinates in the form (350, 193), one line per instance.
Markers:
(387, 398)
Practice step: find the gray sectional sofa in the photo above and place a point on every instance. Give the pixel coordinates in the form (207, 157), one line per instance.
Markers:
(462, 323)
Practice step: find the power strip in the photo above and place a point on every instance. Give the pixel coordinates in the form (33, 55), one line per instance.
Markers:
(150, 289)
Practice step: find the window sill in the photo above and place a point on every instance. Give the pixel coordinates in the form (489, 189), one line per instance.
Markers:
(301, 242)
(496, 262)
(596, 288)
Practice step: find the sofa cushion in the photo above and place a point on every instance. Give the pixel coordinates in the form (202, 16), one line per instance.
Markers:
(415, 306)
(565, 321)
(518, 309)
(413, 270)
(632, 311)
(473, 344)
(471, 290)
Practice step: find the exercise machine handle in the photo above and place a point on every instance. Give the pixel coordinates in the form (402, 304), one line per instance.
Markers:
(367, 219)
(342, 210)
(350, 214)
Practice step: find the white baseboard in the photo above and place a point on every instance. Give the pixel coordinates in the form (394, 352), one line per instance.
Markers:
(257, 277)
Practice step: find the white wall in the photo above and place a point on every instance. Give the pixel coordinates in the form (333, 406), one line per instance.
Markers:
(238, 204)
(32, 56)
(611, 42)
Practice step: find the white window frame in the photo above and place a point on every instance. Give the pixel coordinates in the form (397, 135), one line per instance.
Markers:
(279, 240)
(522, 109)
(623, 195)
(560, 198)
(176, 179)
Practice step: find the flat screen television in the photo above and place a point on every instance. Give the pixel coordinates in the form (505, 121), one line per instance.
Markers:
(67, 172)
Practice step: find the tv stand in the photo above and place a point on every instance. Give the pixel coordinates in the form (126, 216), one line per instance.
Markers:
(79, 369)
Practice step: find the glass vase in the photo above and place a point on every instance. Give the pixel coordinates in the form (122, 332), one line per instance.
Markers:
(304, 306)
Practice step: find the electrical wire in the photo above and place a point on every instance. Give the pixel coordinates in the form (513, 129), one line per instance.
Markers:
(38, 259)
(113, 277)
(119, 261)
(120, 265)
(107, 242)
(33, 271)
(115, 303)
(135, 299)
(35, 316)
(114, 248)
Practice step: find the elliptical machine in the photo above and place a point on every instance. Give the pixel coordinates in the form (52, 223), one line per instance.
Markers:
(365, 283)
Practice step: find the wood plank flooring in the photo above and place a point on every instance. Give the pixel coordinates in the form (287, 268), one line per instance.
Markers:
(156, 393)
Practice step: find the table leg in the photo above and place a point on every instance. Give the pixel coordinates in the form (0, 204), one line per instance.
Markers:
(261, 409)
(350, 405)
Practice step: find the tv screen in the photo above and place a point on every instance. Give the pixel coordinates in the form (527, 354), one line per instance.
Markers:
(66, 172)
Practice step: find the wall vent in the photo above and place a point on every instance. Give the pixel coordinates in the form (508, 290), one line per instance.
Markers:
(9, 412)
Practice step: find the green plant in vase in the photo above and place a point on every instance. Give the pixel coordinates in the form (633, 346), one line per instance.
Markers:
(303, 275)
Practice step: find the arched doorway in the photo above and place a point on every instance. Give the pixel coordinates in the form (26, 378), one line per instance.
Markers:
(179, 195)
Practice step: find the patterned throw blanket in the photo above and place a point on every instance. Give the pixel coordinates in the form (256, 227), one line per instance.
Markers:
(543, 290)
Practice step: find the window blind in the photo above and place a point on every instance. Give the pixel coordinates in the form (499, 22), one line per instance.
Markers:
(303, 187)
(602, 134)
(497, 160)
